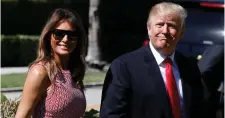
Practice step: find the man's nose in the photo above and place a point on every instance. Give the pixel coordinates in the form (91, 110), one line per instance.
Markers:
(165, 29)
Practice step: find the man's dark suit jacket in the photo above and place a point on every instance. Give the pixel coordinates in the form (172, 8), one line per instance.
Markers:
(134, 87)
(212, 70)
(211, 66)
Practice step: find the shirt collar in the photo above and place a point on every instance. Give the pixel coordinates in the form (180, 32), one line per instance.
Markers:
(159, 57)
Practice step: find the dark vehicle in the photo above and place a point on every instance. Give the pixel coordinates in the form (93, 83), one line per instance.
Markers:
(123, 26)
(204, 25)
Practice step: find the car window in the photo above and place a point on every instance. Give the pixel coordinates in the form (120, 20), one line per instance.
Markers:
(204, 26)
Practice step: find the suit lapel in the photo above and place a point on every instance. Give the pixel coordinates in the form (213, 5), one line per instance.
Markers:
(155, 76)
(153, 70)
(184, 76)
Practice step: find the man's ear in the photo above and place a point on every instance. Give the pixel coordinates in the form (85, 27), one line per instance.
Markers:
(148, 28)
(182, 31)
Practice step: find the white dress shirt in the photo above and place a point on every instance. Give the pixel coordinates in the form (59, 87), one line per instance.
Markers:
(159, 59)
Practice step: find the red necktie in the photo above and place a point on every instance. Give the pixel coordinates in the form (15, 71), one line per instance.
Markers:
(172, 89)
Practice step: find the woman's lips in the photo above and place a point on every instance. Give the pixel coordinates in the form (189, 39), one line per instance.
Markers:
(64, 46)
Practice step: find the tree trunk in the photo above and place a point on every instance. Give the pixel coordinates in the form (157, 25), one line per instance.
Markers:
(93, 54)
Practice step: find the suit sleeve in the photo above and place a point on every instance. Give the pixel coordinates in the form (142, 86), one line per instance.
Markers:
(198, 93)
(211, 67)
(211, 58)
(115, 93)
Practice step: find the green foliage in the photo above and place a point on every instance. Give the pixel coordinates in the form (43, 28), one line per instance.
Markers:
(3, 97)
(91, 114)
(18, 50)
(8, 108)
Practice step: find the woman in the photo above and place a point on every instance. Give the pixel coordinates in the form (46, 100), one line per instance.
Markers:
(54, 86)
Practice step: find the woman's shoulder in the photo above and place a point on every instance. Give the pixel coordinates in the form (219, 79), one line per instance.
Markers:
(38, 70)
(37, 79)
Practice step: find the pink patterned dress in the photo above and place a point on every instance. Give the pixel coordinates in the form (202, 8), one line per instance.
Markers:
(65, 100)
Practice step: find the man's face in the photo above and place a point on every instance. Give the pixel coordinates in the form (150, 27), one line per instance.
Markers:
(164, 32)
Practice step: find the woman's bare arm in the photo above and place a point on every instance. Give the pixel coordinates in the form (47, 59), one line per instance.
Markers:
(35, 86)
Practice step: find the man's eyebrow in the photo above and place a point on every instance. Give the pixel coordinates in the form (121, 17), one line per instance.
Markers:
(171, 22)
(160, 21)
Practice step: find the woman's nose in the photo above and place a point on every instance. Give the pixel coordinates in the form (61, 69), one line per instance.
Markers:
(65, 38)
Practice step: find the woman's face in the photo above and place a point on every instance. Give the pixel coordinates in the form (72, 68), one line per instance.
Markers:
(64, 39)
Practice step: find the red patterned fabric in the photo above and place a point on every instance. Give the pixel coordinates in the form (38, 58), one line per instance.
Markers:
(172, 89)
(65, 100)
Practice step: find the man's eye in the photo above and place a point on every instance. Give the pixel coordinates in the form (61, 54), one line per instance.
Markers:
(159, 25)
(172, 26)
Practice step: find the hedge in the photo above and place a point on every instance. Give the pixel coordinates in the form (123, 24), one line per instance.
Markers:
(18, 50)
(3, 97)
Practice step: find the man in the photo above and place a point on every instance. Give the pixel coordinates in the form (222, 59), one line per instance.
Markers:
(211, 66)
(141, 84)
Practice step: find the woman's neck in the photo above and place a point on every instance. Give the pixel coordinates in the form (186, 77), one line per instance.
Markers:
(62, 62)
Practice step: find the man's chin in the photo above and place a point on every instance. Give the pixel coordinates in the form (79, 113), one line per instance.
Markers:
(164, 50)
(162, 46)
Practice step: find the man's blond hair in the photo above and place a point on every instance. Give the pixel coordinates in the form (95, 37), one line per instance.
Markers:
(166, 8)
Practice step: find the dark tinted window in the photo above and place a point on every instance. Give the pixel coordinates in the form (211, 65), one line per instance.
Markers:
(204, 26)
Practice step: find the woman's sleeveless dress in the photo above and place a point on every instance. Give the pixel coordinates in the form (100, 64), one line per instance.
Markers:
(65, 99)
